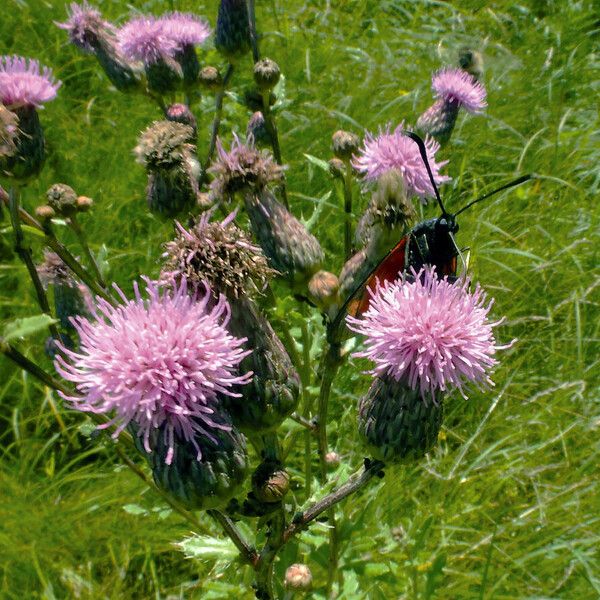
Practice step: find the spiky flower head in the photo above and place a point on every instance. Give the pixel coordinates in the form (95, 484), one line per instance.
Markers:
(144, 39)
(219, 253)
(185, 29)
(159, 361)
(429, 333)
(9, 129)
(461, 87)
(395, 150)
(164, 145)
(232, 34)
(85, 25)
(23, 83)
(242, 167)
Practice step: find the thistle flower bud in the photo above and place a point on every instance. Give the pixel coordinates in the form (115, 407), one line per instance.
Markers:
(345, 144)
(266, 74)
(332, 460)
(270, 482)
(84, 203)
(290, 247)
(323, 289)
(211, 79)
(337, 168)
(471, 61)
(232, 35)
(256, 131)
(396, 423)
(62, 198)
(8, 131)
(298, 577)
(45, 212)
(181, 113)
(29, 154)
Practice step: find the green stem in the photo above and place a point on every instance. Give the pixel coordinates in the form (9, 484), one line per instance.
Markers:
(246, 550)
(76, 227)
(306, 400)
(253, 35)
(288, 340)
(26, 257)
(348, 212)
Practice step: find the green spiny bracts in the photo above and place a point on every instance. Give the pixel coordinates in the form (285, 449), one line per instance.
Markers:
(266, 74)
(290, 247)
(439, 119)
(232, 34)
(396, 422)
(273, 393)
(164, 76)
(270, 482)
(29, 154)
(199, 483)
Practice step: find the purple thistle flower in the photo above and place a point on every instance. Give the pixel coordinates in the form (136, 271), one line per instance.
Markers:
(158, 362)
(84, 25)
(394, 150)
(145, 39)
(461, 87)
(429, 333)
(185, 29)
(23, 83)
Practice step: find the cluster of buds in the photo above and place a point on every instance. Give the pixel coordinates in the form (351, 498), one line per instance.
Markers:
(62, 201)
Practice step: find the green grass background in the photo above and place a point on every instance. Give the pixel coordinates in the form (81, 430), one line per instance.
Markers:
(507, 505)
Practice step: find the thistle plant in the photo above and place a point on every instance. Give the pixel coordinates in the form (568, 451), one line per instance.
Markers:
(242, 332)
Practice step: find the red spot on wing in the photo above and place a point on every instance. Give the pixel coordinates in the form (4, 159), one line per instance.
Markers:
(390, 267)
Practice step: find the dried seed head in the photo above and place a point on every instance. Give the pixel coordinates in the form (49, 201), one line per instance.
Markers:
(345, 144)
(62, 198)
(298, 577)
(243, 167)
(217, 252)
(266, 74)
(165, 145)
(211, 79)
(270, 482)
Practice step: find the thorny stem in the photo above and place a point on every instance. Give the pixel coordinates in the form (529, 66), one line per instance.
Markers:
(25, 255)
(306, 400)
(301, 420)
(253, 35)
(248, 553)
(216, 121)
(348, 211)
(76, 227)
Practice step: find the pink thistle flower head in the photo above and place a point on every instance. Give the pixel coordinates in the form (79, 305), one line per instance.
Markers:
(185, 29)
(461, 87)
(145, 39)
(395, 150)
(23, 83)
(159, 361)
(84, 25)
(429, 333)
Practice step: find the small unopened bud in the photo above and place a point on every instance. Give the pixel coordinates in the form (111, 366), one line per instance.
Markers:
(323, 289)
(84, 203)
(211, 79)
(270, 482)
(256, 131)
(204, 200)
(345, 144)
(45, 212)
(337, 168)
(232, 34)
(62, 198)
(181, 113)
(298, 577)
(332, 460)
(266, 74)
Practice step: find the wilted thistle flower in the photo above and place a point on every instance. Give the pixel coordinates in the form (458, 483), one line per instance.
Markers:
(188, 31)
(158, 362)
(290, 247)
(428, 333)
(144, 39)
(24, 87)
(219, 253)
(165, 149)
(243, 167)
(232, 34)
(91, 33)
(70, 297)
(453, 88)
(394, 150)
(9, 129)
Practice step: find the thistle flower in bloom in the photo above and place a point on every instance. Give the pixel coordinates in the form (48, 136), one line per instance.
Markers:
(429, 333)
(219, 253)
(23, 83)
(242, 167)
(144, 39)
(156, 362)
(185, 29)
(394, 150)
(85, 25)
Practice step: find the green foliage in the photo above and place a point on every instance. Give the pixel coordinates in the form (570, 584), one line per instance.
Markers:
(506, 506)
